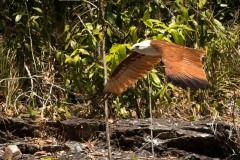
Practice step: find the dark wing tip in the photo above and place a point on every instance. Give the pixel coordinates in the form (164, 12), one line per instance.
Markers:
(192, 83)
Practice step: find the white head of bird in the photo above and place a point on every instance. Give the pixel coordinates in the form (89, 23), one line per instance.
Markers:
(145, 47)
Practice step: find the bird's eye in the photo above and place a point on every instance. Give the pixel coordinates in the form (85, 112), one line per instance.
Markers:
(137, 47)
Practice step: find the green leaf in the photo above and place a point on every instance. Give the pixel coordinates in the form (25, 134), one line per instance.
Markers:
(68, 59)
(115, 48)
(76, 59)
(146, 15)
(155, 21)
(111, 17)
(170, 85)
(91, 75)
(133, 33)
(223, 5)
(115, 62)
(37, 9)
(201, 3)
(58, 55)
(134, 158)
(177, 36)
(27, 46)
(123, 112)
(74, 53)
(68, 114)
(73, 44)
(109, 57)
(35, 23)
(94, 41)
(83, 51)
(109, 32)
(34, 17)
(89, 26)
(122, 53)
(17, 18)
(219, 24)
(67, 37)
(155, 78)
(185, 27)
(162, 91)
(148, 23)
(66, 27)
(146, 19)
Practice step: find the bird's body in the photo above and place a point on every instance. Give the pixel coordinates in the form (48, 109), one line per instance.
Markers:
(183, 66)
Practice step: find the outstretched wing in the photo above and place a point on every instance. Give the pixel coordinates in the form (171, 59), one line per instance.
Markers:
(129, 71)
(183, 65)
(183, 68)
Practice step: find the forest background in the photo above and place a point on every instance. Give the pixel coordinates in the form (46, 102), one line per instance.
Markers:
(51, 65)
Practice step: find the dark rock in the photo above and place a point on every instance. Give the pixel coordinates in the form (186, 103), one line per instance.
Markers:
(130, 138)
(28, 148)
(54, 148)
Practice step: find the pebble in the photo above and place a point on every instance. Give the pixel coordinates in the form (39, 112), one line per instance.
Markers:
(12, 152)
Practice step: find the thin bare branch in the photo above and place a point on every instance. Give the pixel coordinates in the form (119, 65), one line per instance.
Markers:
(103, 51)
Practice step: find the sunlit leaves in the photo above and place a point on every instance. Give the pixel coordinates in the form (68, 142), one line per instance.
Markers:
(76, 58)
(18, 17)
(146, 19)
(37, 9)
(177, 36)
(117, 54)
(174, 29)
(133, 33)
(71, 45)
(201, 3)
(155, 79)
(146, 15)
(34, 20)
(66, 28)
(89, 26)
(218, 24)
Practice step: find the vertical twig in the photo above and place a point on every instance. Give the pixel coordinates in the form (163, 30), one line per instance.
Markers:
(31, 79)
(150, 110)
(101, 16)
(30, 38)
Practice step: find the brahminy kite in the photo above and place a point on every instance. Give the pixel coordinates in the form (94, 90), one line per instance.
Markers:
(183, 66)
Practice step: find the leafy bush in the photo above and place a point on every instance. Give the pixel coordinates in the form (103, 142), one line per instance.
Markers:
(51, 62)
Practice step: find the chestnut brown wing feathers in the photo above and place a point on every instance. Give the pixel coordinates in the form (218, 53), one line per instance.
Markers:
(129, 71)
(183, 65)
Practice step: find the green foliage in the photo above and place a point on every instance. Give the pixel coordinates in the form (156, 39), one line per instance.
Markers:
(54, 47)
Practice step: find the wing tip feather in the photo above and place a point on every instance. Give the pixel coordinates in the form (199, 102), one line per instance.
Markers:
(192, 83)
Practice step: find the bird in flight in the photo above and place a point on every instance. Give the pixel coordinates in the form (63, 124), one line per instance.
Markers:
(183, 66)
